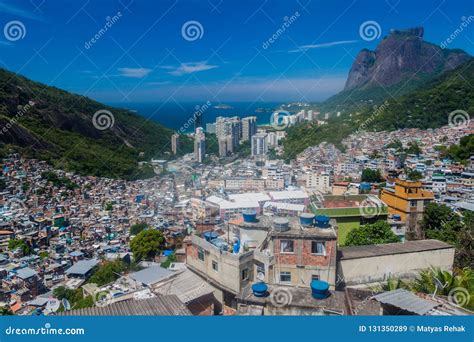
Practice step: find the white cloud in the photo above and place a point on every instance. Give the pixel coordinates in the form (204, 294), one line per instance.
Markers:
(189, 68)
(134, 72)
(241, 89)
(323, 45)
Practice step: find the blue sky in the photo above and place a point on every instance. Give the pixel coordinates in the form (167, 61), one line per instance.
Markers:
(144, 56)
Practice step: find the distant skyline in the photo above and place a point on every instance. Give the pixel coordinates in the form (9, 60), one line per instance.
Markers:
(125, 51)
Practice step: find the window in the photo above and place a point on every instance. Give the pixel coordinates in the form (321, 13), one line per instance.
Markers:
(412, 203)
(201, 254)
(287, 246)
(315, 277)
(285, 277)
(318, 248)
(215, 266)
(245, 274)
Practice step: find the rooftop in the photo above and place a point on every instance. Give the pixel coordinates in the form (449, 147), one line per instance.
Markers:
(407, 301)
(151, 275)
(168, 305)
(355, 252)
(82, 267)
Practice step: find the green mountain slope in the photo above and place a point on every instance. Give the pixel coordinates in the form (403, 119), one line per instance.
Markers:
(51, 124)
(425, 107)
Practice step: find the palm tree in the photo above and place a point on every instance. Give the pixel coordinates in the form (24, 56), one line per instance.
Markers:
(443, 283)
(391, 284)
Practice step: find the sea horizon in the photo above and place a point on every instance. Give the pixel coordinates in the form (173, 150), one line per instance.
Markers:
(175, 115)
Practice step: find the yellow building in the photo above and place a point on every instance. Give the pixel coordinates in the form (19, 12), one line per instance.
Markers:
(408, 200)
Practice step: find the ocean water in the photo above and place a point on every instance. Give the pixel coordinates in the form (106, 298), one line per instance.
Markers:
(176, 115)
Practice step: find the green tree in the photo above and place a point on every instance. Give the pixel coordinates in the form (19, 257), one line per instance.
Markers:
(43, 254)
(137, 228)
(4, 311)
(147, 244)
(464, 256)
(413, 148)
(391, 284)
(371, 176)
(447, 284)
(371, 234)
(170, 259)
(16, 243)
(441, 223)
(108, 272)
(414, 175)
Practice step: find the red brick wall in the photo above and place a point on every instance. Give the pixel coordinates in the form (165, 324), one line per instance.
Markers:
(191, 251)
(307, 257)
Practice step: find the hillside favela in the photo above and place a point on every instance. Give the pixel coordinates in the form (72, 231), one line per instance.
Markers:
(220, 158)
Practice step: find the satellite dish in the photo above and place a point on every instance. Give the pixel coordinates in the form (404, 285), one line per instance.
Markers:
(260, 276)
(438, 285)
(66, 304)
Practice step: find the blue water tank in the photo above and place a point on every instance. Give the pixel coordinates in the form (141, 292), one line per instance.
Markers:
(250, 215)
(306, 219)
(397, 217)
(322, 221)
(319, 289)
(236, 248)
(209, 236)
(260, 289)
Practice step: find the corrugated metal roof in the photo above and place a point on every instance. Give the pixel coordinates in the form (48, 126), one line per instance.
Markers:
(151, 275)
(355, 252)
(82, 267)
(406, 300)
(158, 306)
(187, 286)
(25, 273)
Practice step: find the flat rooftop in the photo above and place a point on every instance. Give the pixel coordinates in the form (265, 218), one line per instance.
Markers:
(356, 252)
(300, 297)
